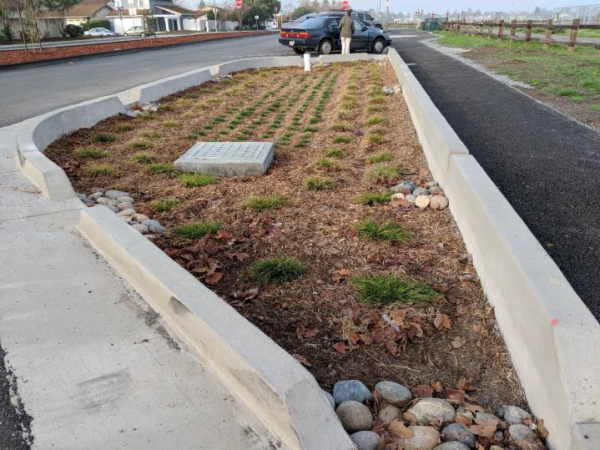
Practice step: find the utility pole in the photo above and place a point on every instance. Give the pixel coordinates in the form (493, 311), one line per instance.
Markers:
(387, 15)
(215, 14)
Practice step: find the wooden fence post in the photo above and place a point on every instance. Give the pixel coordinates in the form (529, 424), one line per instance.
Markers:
(548, 37)
(501, 30)
(513, 29)
(481, 29)
(490, 28)
(528, 32)
(573, 37)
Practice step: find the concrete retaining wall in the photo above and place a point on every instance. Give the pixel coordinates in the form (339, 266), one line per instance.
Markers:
(553, 339)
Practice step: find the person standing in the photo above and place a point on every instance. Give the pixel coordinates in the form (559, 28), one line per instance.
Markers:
(346, 31)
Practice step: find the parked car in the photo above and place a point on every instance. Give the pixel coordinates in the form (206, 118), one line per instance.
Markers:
(366, 17)
(100, 32)
(322, 33)
(135, 31)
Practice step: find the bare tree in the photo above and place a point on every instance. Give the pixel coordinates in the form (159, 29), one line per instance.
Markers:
(8, 8)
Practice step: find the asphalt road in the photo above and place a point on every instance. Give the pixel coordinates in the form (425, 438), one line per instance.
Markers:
(546, 164)
(31, 90)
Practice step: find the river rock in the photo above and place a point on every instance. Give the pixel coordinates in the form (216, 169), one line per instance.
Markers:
(97, 194)
(113, 208)
(422, 201)
(388, 414)
(103, 201)
(141, 228)
(452, 445)
(431, 184)
(513, 414)
(140, 217)
(436, 191)
(394, 393)
(406, 187)
(430, 411)
(365, 440)
(116, 194)
(351, 390)
(410, 198)
(125, 205)
(388, 90)
(438, 202)
(519, 434)
(482, 418)
(398, 196)
(420, 191)
(459, 432)
(425, 438)
(354, 416)
(125, 199)
(127, 212)
(154, 226)
(329, 398)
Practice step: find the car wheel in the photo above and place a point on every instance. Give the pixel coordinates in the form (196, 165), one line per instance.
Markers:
(298, 51)
(378, 46)
(325, 47)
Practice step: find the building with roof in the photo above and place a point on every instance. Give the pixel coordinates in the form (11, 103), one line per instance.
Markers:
(89, 10)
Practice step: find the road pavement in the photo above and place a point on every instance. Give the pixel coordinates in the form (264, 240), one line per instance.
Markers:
(546, 164)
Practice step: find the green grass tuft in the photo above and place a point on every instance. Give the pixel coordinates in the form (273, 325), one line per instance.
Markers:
(264, 202)
(170, 124)
(380, 157)
(139, 144)
(90, 153)
(151, 134)
(104, 137)
(166, 205)
(376, 120)
(318, 183)
(372, 198)
(196, 230)
(99, 171)
(143, 158)
(388, 289)
(386, 231)
(341, 126)
(336, 153)
(383, 173)
(198, 179)
(162, 168)
(124, 127)
(278, 270)
(341, 140)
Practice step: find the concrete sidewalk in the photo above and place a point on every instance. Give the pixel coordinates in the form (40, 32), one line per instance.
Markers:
(546, 164)
(93, 364)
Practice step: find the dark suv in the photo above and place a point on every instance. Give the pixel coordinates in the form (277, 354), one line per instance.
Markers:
(322, 33)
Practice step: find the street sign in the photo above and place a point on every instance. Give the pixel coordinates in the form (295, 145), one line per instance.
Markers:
(238, 4)
(255, 17)
(345, 4)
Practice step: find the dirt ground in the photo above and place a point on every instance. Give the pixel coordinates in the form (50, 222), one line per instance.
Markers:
(449, 343)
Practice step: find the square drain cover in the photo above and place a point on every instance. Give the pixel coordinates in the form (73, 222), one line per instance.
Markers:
(228, 159)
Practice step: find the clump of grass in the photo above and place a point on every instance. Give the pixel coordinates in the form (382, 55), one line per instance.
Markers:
(341, 126)
(139, 144)
(90, 153)
(143, 158)
(166, 108)
(388, 289)
(170, 124)
(345, 115)
(376, 120)
(280, 269)
(376, 108)
(196, 230)
(377, 100)
(336, 153)
(264, 202)
(147, 116)
(326, 163)
(383, 173)
(104, 137)
(380, 157)
(162, 168)
(373, 198)
(318, 183)
(197, 179)
(349, 105)
(151, 134)
(341, 140)
(375, 139)
(386, 231)
(166, 205)
(124, 127)
(379, 131)
(203, 106)
(99, 171)
(182, 102)
(189, 115)
(311, 130)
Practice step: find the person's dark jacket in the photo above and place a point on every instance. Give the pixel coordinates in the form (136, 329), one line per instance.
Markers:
(347, 27)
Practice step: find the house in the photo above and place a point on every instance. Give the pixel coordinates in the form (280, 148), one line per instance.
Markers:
(89, 10)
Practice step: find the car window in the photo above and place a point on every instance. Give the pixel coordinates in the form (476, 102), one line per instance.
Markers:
(314, 22)
(369, 17)
(334, 24)
(358, 26)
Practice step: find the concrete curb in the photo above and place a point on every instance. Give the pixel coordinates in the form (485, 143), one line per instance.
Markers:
(552, 337)
(268, 379)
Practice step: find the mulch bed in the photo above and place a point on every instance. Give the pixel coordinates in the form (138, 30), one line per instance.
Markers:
(446, 345)
(10, 57)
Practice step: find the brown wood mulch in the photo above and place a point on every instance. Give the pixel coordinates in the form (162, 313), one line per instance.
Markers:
(442, 346)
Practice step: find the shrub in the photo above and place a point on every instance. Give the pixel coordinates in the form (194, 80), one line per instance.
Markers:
(383, 173)
(139, 144)
(372, 198)
(387, 231)
(104, 137)
(196, 230)
(167, 169)
(166, 205)
(341, 140)
(280, 269)
(74, 30)
(317, 183)
(143, 158)
(380, 157)
(197, 179)
(90, 153)
(387, 289)
(264, 202)
(99, 171)
(336, 153)
(124, 127)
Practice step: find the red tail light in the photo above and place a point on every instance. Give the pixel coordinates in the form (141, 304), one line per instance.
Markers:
(295, 34)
